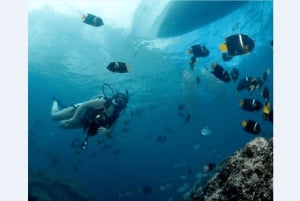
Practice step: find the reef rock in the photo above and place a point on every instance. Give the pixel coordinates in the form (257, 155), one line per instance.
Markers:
(247, 175)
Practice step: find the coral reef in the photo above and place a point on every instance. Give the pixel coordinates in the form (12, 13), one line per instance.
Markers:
(245, 176)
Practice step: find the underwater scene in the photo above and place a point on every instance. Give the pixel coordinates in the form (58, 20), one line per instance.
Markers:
(145, 100)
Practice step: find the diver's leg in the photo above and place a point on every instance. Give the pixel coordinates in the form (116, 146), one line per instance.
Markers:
(66, 113)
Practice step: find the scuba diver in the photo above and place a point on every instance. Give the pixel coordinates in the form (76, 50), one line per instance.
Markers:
(237, 44)
(92, 20)
(98, 114)
(197, 51)
(220, 72)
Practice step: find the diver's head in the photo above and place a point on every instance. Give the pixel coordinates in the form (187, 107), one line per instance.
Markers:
(190, 51)
(120, 100)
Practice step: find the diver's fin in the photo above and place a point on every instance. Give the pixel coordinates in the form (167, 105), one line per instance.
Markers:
(84, 143)
(223, 47)
(60, 104)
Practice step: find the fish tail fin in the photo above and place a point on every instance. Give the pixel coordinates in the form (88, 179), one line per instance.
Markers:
(244, 123)
(213, 65)
(241, 103)
(127, 68)
(266, 109)
(223, 47)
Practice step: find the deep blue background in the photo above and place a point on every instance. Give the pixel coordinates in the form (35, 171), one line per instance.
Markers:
(68, 58)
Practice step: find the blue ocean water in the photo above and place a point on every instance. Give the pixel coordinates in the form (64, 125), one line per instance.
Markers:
(67, 58)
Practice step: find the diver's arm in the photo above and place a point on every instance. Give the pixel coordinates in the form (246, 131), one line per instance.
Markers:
(75, 119)
(91, 103)
(106, 131)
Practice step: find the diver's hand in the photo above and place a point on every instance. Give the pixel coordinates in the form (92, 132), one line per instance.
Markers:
(65, 123)
(105, 131)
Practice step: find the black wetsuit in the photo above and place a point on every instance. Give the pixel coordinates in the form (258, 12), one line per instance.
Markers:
(95, 118)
